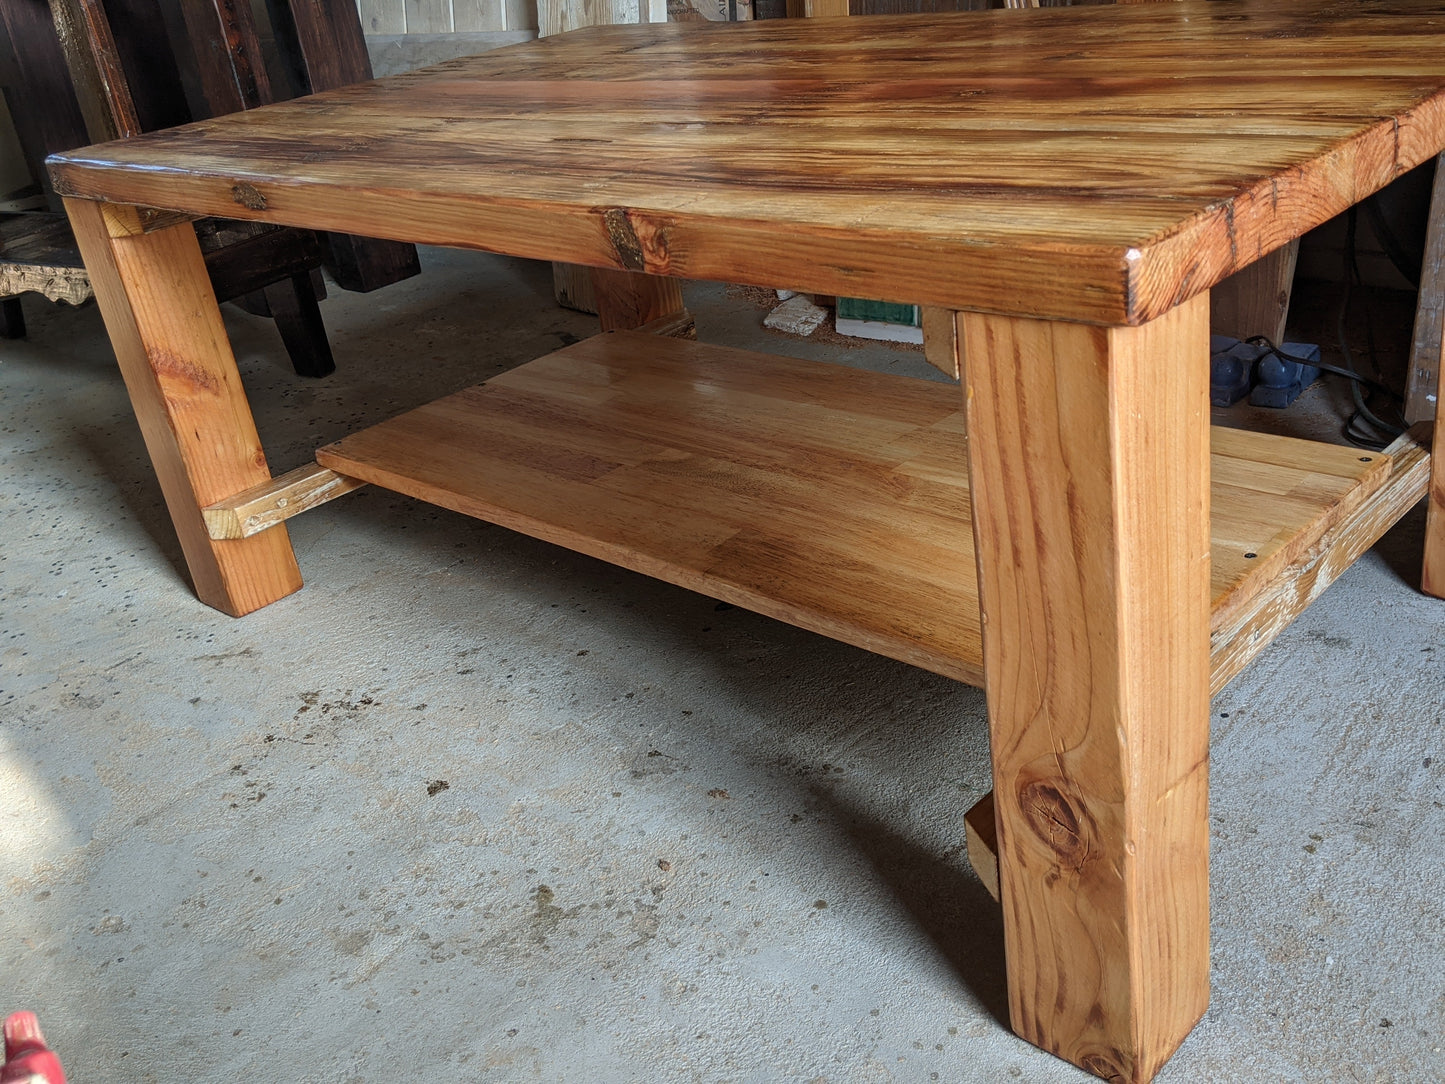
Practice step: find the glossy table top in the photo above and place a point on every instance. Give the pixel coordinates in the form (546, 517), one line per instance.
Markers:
(1092, 163)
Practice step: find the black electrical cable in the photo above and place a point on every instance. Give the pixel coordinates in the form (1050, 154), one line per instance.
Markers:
(1264, 341)
(1352, 430)
(1353, 433)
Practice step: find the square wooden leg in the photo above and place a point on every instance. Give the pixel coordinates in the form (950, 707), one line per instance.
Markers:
(1432, 576)
(630, 299)
(161, 314)
(1089, 467)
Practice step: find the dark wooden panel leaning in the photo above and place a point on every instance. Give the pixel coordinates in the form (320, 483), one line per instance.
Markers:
(323, 46)
(37, 86)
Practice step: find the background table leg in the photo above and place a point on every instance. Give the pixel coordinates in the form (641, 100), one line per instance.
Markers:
(1432, 576)
(178, 367)
(629, 299)
(1088, 457)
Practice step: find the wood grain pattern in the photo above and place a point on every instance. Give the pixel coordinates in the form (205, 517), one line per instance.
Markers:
(1432, 575)
(1255, 301)
(95, 69)
(675, 325)
(815, 9)
(232, 71)
(1099, 163)
(1243, 625)
(940, 340)
(598, 446)
(428, 16)
(981, 839)
(33, 66)
(37, 253)
(1240, 635)
(382, 17)
(178, 368)
(521, 14)
(737, 474)
(1263, 519)
(563, 16)
(572, 287)
(1089, 463)
(626, 300)
(1423, 378)
(478, 16)
(276, 500)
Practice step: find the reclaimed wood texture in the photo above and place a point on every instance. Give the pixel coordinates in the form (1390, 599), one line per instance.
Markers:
(729, 472)
(1100, 164)
(1422, 384)
(36, 85)
(178, 368)
(326, 48)
(1088, 457)
(95, 69)
(223, 38)
(572, 286)
(37, 253)
(1432, 576)
(564, 16)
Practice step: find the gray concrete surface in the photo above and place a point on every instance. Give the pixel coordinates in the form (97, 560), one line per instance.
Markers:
(674, 843)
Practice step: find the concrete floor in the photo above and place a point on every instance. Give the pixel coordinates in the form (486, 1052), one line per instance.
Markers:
(470, 807)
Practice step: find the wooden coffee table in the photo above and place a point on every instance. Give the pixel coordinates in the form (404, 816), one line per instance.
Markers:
(1065, 532)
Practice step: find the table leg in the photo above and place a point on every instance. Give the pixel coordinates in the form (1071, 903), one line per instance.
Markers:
(1432, 576)
(629, 299)
(161, 314)
(1089, 467)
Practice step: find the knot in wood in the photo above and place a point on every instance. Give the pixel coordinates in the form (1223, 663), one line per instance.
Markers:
(625, 241)
(1057, 819)
(1108, 1065)
(640, 240)
(248, 195)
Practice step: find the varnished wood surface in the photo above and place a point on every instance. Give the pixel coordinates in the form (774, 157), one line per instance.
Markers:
(832, 498)
(1095, 163)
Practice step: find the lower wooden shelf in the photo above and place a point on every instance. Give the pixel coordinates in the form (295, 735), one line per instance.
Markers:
(832, 498)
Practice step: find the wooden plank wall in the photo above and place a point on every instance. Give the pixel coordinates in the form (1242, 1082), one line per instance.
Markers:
(390, 17)
(386, 18)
